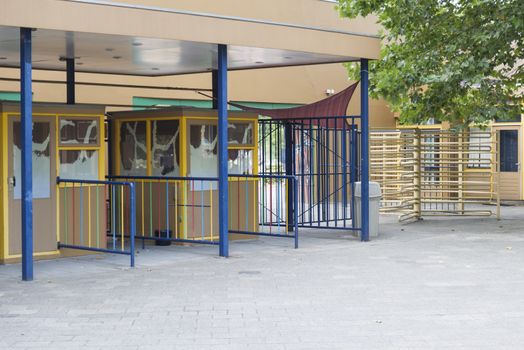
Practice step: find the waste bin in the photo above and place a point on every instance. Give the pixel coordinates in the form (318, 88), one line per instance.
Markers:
(374, 207)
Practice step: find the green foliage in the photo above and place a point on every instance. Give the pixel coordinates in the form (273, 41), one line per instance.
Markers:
(456, 60)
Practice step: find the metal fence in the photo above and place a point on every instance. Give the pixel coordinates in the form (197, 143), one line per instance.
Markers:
(83, 216)
(275, 210)
(435, 172)
(185, 209)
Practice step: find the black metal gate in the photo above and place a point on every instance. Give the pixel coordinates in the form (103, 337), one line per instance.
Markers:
(323, 153)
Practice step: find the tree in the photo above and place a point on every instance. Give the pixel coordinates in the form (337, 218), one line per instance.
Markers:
(455, 60)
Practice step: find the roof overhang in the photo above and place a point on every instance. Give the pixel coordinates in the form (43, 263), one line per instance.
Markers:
(119, 38)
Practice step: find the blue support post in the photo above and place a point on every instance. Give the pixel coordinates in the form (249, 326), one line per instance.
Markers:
(132, 219)
(223, 201)
(364, 120)
(70, 80)
(26, 131)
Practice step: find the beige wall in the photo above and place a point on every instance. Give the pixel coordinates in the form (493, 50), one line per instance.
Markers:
(314, 13)
(304, 84)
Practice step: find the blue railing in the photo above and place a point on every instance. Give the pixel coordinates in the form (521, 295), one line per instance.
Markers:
(185, 209)
(84, 216)
(175, 209)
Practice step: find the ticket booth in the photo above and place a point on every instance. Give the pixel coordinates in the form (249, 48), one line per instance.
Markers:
(172, 156)
(68, 141)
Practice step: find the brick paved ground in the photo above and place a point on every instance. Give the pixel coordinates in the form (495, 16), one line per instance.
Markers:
(435, 284)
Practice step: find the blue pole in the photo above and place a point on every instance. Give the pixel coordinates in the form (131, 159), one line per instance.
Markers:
(70, 80)
(288, 137)
(364, 120)
(27, 152)
(132, 219)
(222, 152)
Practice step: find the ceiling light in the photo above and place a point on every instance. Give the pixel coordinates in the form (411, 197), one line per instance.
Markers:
(259, 62)
(117, 57)
(137, 44)
(109, 49)
(3, 58)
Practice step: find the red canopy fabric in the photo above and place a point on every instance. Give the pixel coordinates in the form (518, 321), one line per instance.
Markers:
(332, 106)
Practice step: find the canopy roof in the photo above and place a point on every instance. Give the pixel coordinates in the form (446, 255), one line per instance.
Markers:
(121, 38)
(332, 106)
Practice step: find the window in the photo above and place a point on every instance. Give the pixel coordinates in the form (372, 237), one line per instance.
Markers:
(78, 131)
(79, 147)
(509, 150)
(133, 152)
(479, 148)
(41, 158)
(240, 133)
(79, 164)
(164, 148)
(203, 148)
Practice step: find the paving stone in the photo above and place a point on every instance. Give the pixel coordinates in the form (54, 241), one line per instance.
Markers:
(435, 284)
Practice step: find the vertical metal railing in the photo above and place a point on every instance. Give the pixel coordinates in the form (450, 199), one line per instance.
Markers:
(435, 172)
(260, 204)
(83, 216)
(325, 158)
(176, 209)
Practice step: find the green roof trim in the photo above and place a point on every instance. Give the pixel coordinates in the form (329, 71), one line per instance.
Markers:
(151, 101)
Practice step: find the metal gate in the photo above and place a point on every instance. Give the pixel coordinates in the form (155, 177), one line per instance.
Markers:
(436, 172)
(323, 153)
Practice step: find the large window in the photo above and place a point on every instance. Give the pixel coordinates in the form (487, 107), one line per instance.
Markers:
(133, 148)
(165, 152)
(203, 148)
(41, 158)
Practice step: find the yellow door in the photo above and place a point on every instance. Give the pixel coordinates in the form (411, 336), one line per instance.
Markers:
(510, 161)
(44, 179)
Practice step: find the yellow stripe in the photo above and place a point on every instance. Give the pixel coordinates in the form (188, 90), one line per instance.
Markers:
(89, 215)
(211, 206)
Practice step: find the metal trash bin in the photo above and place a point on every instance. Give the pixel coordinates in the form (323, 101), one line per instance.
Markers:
(374, 207)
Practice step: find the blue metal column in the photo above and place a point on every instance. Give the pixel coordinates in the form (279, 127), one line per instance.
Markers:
(26, 131)
(364, 120)
(223, 206)
(70, 80)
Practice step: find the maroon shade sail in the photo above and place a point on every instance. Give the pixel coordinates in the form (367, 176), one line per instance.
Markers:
(332, 106)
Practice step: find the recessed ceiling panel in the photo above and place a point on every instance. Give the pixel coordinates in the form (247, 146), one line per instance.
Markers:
(99, 53)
